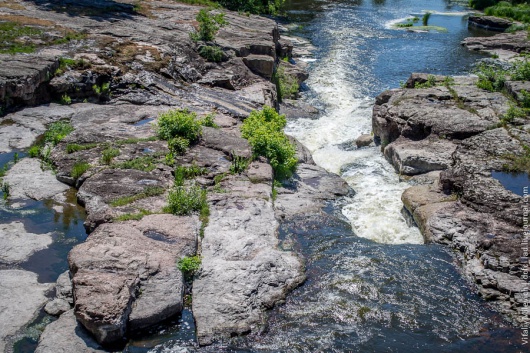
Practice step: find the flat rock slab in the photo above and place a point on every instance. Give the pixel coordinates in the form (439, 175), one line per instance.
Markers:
(26, 179)
(125, 274)
(243, 272)
(17, 245)
(419, 157)
(66, 335)
(21, 296)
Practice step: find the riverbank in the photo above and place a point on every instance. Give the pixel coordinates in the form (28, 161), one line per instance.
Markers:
(102, 90)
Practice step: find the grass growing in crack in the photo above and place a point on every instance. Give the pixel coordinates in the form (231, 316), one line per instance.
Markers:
(74, 147)
(211, 53)
(108, 155)
(6, 190)
(134, 140)
(57, 131)
(286, 84)
(78, 169)
(182, 173)
(239, 164)
(518, 163)
(69, 64)
(431, 82)
(189, 265)
(183, 201)
(208, 121)
(178, 145)
(133, 216)
(144, 163)
(147, 192)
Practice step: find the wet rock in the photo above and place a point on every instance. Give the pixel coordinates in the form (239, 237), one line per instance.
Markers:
(124, 275)
(26, 179)
(66, 335)
(242, 272)
(293, 109)
(364, 140)
(63, 288)
(21, 296)
(17, 245)
(295, 71)
(490, 23)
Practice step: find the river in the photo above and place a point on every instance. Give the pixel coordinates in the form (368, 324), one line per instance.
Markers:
(373, 285)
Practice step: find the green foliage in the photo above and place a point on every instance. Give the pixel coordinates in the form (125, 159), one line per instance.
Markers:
(519, 12)
(208, 121)
(490, 78)
(34, 151)
(239, 164)
(211, 53)
(518, 163)
(208, 3)
(74, 147)
(103, 90)
(481, 4)
(431, 82)
(183, 201)
(65, 99)
(6, 190)
(4, 170)
(286, 84)
(108, 154)
(134, 140)
(264, 131)
(209, 24)
(78, 169)
(525, 99)
(182, 173)
(57, 132)
(514, 112)
(16, 158)
(147, 192)
(178, 145)
(70, 64)
(270, 7)
(425, 19)
(11, 35)
(521, 70)
(144, 163)
(189, 265)
(178, 122)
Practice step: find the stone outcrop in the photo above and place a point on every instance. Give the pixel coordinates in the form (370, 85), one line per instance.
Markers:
(490, 23)
(514, 42)
(125, 277)
(17, 245)
(450, 134)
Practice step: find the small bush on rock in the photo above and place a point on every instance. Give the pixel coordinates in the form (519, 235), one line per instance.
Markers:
(183, 201)
(264, 131)
(79, 168)
(57, 132)
(179, 122)
(189, 265)
(211, 53)
(209, 24)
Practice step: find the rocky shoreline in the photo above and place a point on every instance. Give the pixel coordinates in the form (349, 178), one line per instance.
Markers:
(128, 66)
(446, 136)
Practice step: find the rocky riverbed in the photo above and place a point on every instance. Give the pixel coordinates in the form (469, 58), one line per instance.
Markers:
(120, 66)
(451, 138)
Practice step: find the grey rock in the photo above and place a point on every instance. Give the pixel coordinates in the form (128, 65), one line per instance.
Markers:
(66, 335)
(364, 140)
(242, 272)
(26, 179)
(57, 307)
(17, 245)
(21, 297)
(262, 65)
(515, 42)
(125, 274)
(490, 23)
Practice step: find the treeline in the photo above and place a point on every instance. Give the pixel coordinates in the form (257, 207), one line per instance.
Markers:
(268, 7)
(482, 4)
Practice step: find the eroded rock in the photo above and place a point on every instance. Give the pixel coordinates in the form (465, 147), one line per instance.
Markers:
(17, 245)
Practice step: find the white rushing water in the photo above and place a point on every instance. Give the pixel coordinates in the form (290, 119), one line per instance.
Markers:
(375, 212)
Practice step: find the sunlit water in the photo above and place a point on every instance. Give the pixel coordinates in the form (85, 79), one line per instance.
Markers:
(372, 286)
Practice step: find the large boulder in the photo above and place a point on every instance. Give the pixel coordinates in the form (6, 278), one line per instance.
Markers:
(125, 275)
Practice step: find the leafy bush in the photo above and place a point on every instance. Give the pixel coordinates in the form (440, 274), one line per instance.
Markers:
(34, 151)
(183, 201)
(65, 99)
(6, 190)
(431, 82)
(189, 265)
(209, 24)
(57, 132)
(490, 78)
(264, 131)
(481, 4)
(239, 164)
(179, 122)
(211, 53)
(79, 168)
(513, 113)
(521, 70)
(178, 145)
(208, 121)
(182, 173)
(108, 154)
(270, 7)
(520, 12)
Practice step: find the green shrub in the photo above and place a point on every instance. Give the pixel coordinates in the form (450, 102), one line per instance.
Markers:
(481, 4)
(264, 131)
(182, 173)
(425, 19)
(6, 190)
(183, 201)
(179, 122)
(65, 99)
(34, 151)
(270, 7)
(525, 99)
(431, 82)
(178, 145)
(78, 169)
(208, 121)
(490, 78)
(74, 147)
(108, 155)
(521, 70)
(211, 53)
(514, 112)
(209, 24)
(57, 132)
(519, 12)
(189, 265)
